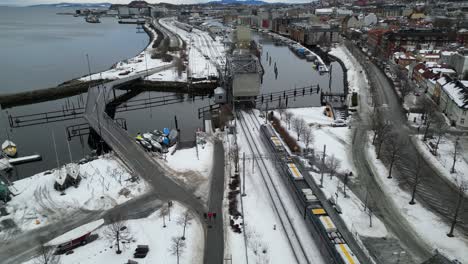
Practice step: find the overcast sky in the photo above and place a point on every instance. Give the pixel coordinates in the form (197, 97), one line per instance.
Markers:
(34, 2)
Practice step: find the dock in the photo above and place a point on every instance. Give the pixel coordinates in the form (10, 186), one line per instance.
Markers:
(25, 159)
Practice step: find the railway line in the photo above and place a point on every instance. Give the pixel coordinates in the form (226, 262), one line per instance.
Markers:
(297, 247)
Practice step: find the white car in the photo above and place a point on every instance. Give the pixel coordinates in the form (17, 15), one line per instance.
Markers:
(338, 123)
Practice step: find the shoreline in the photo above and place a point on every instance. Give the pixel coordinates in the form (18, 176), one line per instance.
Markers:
(65, 89)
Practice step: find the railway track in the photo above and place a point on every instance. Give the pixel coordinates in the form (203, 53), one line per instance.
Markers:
(278, 204)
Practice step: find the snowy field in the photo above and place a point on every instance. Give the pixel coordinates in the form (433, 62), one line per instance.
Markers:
(444, 160)
(431, 228)
(312, 115)
(146, 231)
(262, 224)
(355, 73)
(105, 183)
(192, 170)
(132, 66)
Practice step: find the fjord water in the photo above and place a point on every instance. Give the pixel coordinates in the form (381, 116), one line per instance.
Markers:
(41, 49)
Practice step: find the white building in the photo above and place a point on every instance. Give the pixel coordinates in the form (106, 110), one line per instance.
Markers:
(453, 101)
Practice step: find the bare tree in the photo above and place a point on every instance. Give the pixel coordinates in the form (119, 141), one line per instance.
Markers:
(298, 126)
(333, 165)
(281, 110)
(308, 136)
(380, 129)
(429, 117)
(418, 166)
(382, 132)
(163, 212)
(185, 220)
(456, 149)
(177, 247)
(234, 154)
(117, 232)
(440, 130)
(462, 188)
(47, 255)
(288, 117)
(394, 148)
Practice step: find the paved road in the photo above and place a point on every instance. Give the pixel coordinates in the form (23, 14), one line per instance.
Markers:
(434, 192)
(132, 154)
(214, 246)
(25, 245)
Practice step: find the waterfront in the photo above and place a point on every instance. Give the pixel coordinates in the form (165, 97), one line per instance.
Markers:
(292, 72)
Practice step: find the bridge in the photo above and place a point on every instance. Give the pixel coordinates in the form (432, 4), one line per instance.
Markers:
(131, 153)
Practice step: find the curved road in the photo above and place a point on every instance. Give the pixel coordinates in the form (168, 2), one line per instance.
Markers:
(434, 192)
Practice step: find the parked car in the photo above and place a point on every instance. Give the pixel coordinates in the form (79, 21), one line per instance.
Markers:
(338, 123)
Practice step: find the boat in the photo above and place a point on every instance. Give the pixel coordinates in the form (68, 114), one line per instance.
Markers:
(5, 164)
(92, 19)
(9, 148)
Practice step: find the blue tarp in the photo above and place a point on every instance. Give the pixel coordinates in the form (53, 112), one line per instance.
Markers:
(166, 131)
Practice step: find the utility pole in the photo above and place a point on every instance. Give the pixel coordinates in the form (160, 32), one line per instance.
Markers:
(243, 174)
(323, 165)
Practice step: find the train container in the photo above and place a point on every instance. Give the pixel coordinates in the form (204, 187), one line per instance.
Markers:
(294, 172)
(318, 211)
(276, 142)
(346, 254)
(327, 223)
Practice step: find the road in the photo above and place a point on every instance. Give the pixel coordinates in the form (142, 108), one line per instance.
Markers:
(214, 246)
(131, 153)
(26, 245)
(434, 192)
(144, 165)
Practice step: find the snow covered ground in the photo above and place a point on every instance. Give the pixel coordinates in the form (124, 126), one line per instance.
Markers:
(353, 214)
(355, 73)
(205, 54)
(335, 138)
(191, 169)
(430, 227)
(146, 231)
(312, 115)
(105, 183)
(129, 67)
(444, 160)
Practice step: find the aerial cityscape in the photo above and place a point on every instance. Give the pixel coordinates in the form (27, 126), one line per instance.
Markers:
(234, 131)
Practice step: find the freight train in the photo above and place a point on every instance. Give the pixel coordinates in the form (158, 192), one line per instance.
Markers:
(329, 235)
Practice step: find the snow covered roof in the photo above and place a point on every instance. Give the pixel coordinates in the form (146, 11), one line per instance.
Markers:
(442, 70)
(448, 53)
(456, 91)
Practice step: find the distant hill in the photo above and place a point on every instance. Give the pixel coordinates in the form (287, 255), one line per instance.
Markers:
(243, 2)
(76, 5)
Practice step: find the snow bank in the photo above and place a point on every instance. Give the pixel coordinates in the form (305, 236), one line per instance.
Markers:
(105, 183)
(146, 231)
(443, 162)
(430, 227)
(355, 73)
(352, 208)
(129, 67)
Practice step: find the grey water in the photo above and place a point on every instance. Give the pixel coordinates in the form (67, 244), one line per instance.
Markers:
(41, 49)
